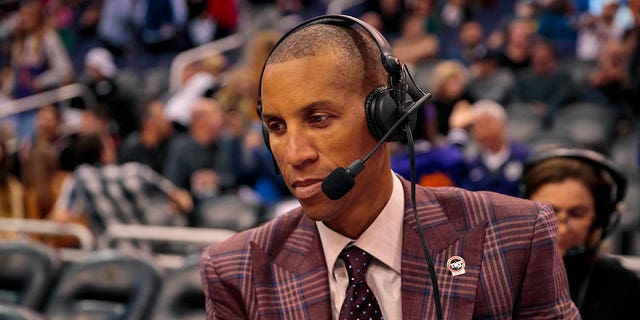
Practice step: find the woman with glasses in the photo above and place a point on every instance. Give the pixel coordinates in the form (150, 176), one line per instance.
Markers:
(585, 189)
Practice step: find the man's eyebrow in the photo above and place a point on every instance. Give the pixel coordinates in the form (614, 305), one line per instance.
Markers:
(311, 107)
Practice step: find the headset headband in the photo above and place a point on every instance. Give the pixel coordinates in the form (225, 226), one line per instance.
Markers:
(589, 156)
(390, 63)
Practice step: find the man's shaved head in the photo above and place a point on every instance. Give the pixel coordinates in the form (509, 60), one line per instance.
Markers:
(361, 56)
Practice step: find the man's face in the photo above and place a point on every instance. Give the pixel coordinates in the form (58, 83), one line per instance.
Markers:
(158, 120)
(489, 132)
(316, 123)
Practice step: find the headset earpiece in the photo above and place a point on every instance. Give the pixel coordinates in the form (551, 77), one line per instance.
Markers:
(380, 116)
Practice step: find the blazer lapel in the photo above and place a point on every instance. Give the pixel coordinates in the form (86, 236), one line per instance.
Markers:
(292, 282)
(445, 238)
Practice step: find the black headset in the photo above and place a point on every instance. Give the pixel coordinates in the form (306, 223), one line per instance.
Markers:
(607, 203)
(384, 105)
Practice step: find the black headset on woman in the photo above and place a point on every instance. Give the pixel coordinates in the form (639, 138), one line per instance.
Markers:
(607, 202)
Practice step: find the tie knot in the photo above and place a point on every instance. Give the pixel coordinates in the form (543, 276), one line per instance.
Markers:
(357, 261)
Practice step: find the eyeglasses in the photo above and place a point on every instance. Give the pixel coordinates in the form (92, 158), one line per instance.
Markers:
(574, 217)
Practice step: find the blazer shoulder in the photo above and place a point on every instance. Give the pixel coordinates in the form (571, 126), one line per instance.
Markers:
(464, 206)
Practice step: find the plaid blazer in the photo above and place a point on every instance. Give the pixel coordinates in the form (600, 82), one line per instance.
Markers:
(513, 269)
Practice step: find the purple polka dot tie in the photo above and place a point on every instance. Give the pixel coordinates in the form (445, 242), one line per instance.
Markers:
(359, 301)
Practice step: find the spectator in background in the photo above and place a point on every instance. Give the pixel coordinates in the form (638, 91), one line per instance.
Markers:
(115, 26)
(594, 31)
(470, 44)
(415, 46)
(498, 164)
(149, 144)
(449, 81)
(198, 78)
(609, 83)
(39, 61)
(48, 135)
(523, 10)
(455, 12)
(42, 180)
(161, 24)
(202, 160)
(240, 91)
(385, 15)
(556, 24)
(489, 80)
(105, 193)
(225, 14)
(11, 192)
(211, 19)
(117, 102)
(516, 53)
(584, 190)
(544, 84)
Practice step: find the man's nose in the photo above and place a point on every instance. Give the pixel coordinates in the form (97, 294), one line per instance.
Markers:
(299, 149)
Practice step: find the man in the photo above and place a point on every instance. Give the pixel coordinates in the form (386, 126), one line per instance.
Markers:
(497, 166)
(204, 161)
(104, 193)
(117, 99)
(544, 84)
(149, 144)
(502, 255)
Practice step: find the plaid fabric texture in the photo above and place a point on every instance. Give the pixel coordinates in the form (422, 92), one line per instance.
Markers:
(513, 268)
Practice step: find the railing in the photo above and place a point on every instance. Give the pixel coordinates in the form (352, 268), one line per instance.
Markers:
(164, 234)
(45, 227)
(37, 100)
(184, 58)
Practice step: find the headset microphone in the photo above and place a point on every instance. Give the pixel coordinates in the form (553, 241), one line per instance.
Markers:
(341, 180)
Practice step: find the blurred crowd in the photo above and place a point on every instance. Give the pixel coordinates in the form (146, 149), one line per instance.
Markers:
(507, 77)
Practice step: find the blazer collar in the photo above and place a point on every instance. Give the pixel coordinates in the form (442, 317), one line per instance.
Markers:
(446, 237)
(292, 281)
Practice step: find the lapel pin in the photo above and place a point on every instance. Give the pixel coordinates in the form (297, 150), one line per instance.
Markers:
(456, 265)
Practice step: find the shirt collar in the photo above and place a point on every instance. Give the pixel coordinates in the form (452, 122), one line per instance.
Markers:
(493, 161)
(382, 239)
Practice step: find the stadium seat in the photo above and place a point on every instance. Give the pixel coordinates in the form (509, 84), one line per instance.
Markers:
(578, 70)
(523, 123)
(550, 138)
(624, 151)
(228, 212)
(105, 285)
(12, 312)
(181, 296)
(590, 125)
(26, 273)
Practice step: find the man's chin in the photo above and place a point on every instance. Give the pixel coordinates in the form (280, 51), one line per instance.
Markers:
(319, 211)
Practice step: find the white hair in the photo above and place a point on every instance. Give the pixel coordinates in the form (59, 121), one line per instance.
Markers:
(490, 108)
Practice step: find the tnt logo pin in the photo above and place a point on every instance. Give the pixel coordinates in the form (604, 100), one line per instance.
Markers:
(456, 265)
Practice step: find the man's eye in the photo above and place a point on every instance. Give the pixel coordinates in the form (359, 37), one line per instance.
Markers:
(276, 127)
(318, 118)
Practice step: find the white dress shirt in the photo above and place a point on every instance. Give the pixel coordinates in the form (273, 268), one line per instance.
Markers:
(382, 240)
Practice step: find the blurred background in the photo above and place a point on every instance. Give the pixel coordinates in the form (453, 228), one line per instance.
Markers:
(129, 138)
